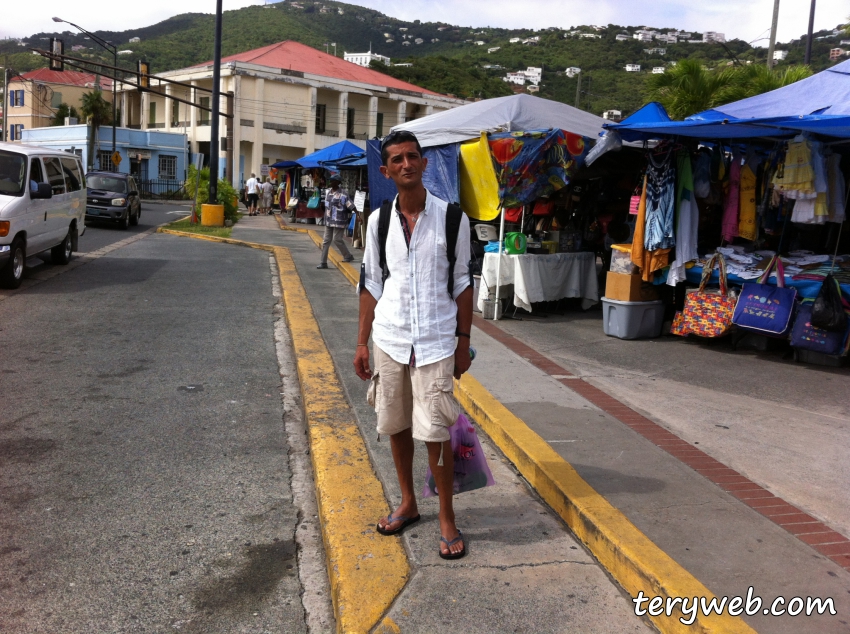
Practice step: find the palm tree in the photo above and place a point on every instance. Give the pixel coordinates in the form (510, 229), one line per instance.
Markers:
(688, 87)
(96, 111)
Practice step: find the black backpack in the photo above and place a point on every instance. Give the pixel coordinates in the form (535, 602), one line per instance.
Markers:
(454, 215)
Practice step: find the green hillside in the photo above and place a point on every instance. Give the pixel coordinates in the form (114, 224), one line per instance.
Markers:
(444, 58)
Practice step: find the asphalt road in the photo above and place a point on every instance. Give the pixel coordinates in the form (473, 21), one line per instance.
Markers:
(101, 234)
(145, 480)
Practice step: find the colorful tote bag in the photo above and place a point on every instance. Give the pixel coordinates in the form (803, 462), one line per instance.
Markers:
(806, 336)
(764, 309)
(707, 313)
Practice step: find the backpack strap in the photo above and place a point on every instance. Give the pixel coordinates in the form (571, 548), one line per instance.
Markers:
(454, 215)
(383, 231)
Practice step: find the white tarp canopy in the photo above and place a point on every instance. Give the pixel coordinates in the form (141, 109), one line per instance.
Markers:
(502, 114)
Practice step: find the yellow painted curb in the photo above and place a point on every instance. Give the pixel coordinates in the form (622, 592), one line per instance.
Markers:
(366, 570)
(632, 559)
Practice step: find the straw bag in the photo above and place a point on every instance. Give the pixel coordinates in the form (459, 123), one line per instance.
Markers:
(707, 313)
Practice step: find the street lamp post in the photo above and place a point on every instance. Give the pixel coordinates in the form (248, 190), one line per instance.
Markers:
(114, 50)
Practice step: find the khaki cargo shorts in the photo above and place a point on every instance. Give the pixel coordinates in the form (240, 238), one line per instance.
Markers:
(418, 397)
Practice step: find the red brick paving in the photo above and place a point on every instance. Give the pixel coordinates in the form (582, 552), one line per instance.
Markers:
(803, 526)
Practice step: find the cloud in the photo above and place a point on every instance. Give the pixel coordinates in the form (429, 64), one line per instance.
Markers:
(747, 21)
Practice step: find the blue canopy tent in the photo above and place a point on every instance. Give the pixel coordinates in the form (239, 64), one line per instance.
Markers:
(331, 153)
(819, 104)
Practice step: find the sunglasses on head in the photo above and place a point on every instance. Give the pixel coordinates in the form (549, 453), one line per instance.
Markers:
(399, 136)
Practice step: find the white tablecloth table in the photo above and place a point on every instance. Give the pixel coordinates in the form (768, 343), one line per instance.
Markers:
(542, 278)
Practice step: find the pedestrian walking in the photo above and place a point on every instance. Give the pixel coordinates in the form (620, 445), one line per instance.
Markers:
(268, 195)
(416, 303)
(338, 207)
(253, 189)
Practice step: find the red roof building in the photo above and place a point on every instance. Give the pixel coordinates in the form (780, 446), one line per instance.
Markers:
(294, 56)
(64, 78)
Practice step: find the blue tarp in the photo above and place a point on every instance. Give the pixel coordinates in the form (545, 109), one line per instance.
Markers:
(330, 153)
(819, 104)
(440, 177)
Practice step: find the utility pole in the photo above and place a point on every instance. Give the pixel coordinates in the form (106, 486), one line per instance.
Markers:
(773, 34)
(578, 90)
(228, 126)
(811, 29)
(216, 96)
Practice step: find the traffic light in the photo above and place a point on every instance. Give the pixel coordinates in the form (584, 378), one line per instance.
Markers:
(57, 48)
(143, 75)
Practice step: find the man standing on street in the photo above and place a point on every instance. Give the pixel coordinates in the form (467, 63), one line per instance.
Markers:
(252, 188)
(338, 208)
(420, 332)
(267, 190)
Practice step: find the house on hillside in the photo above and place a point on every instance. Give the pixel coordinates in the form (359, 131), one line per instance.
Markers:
(134, 40)
(590, 36)
(493, 49)
(533, 89)
(364, 59)
(655, 51)
(713, 36)
(623, 37)
(515, 78)
(418, 40)
(837, 53)
(479, 43)
(405, 43)
(642, 36)
(572, 71)
(779, 55)
(514, 40)
(632, 68)
(612, 115)
(658, 70)
(318, 99)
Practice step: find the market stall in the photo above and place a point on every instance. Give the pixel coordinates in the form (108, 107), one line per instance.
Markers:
(757, 187)
(510, 161)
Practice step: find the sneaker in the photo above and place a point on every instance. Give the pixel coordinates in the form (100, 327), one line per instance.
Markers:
(322, 266)
(350, 258)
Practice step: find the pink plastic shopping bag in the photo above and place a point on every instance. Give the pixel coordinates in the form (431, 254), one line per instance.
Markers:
(470, 464)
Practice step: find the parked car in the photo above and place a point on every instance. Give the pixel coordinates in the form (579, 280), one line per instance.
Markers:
(113, 197)
(42, 207)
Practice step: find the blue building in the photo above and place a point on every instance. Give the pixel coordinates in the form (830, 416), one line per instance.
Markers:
(158, 160)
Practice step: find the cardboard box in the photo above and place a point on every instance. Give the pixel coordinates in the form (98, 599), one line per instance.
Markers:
(629, 288)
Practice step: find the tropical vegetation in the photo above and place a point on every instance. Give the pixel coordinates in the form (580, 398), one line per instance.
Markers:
(96, 112)
(227, 195)
(689, 87)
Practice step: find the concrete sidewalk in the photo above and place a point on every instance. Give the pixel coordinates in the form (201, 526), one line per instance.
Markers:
(524, 572)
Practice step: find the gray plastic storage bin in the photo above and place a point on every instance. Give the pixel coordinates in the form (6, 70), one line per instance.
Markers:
(632, 320)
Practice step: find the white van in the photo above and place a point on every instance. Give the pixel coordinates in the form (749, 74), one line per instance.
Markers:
(42, 206)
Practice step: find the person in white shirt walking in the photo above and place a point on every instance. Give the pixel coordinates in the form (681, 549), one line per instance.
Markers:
(267, 190)
(420, 333)
(252, 188)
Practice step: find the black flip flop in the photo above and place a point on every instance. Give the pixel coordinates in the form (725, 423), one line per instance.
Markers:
(405, 522)
(449, 544)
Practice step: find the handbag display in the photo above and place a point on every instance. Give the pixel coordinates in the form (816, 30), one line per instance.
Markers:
(543, 207)
(807, 336)
(315, 199)
(828, 309)
(764, 309)
(707, 313)
(515, 243)
(513, 214)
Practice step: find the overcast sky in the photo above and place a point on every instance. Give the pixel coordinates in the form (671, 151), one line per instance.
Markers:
(736, 18)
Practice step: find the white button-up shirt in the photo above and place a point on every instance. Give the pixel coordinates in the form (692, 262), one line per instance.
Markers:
(414, 307)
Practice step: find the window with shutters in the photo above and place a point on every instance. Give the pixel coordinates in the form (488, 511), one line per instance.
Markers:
(167, 167)
(321, 118)
(349, 124)
(379, 131)
(56, 100)
(204, 119)
(152, 113)
(175, 113)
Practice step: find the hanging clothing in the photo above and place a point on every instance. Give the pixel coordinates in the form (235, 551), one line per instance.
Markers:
(837, 197)
(647, 261)
(660, 202)
(747, 228)
(796, 179)
(729, 226)
(687, 220)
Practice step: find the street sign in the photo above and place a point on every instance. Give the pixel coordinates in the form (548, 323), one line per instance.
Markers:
(116, 158)
(264, 170)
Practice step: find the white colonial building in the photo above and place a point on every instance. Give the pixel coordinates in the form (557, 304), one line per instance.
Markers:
(364, 59)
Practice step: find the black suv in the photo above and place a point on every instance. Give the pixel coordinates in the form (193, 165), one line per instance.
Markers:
(112, 197)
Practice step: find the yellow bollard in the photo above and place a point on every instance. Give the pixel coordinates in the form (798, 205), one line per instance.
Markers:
(212, 215)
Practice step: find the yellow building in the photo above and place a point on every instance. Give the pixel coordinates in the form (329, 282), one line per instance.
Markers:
(288, 100)
(34, 97)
